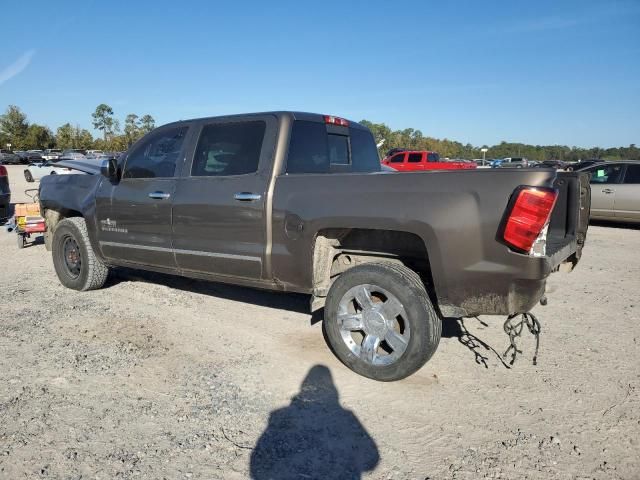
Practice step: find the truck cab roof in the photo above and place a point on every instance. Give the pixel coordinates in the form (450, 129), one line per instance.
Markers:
(293, 115)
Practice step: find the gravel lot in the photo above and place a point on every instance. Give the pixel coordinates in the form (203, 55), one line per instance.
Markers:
(162, 377)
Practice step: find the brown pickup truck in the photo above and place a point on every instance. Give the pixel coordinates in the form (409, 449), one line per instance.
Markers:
(298, 202)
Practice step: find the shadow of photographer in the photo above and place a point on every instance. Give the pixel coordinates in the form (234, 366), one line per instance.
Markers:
(314, 437)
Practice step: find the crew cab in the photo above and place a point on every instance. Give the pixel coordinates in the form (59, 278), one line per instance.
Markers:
(297, 202)
(416, 160)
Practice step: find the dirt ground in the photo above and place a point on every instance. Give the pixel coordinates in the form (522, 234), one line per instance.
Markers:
(162, 377)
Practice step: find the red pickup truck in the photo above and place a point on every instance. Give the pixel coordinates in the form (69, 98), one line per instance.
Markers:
(416, 160)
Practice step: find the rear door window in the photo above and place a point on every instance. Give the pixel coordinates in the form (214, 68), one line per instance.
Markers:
(228, 149)
(433, 157)
(415, 157)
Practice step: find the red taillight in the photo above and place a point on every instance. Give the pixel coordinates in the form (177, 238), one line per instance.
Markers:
(3, 171)
(330, 119)
(529, 215)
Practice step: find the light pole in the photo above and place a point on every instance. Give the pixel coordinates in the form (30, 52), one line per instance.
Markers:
(484, 155)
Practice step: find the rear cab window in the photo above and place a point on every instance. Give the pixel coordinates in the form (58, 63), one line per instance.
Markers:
(319, 148)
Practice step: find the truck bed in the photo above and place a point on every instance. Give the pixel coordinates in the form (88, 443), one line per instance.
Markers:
(457, 214)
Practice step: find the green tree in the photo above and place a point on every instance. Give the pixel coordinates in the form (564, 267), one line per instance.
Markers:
(103, 120)
(147, 123)
(68, 136)
(64, 136)
(38, 137)
(131, 129)
(14, 127)
(82, 138)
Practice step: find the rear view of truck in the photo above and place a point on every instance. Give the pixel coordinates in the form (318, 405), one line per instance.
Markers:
(393, 253)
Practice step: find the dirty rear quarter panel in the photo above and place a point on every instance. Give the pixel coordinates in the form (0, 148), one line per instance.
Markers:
(455, 213)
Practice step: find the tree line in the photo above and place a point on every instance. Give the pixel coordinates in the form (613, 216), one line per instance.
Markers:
(415, 140)
(22, 135)
(16, 130)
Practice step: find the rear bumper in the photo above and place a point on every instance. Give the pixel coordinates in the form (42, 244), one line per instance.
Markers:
(492, 289)
(516, 282)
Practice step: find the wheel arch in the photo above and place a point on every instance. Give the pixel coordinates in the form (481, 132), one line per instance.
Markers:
(335, 250)
(53, 216)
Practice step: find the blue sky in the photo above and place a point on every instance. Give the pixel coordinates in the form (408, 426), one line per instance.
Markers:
(543, 72)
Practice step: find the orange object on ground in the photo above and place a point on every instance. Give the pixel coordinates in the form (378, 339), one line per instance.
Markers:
(27, 210)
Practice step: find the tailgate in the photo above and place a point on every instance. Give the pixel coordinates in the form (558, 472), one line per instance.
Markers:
(569, 219)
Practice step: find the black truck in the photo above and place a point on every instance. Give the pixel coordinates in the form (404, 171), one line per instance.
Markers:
(298, 202)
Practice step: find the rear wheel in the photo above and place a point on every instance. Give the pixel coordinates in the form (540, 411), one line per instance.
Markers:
(74, 260)
(21, 240)
(27, 176)
(380, 322)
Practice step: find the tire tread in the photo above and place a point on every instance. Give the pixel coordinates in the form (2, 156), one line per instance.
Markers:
(426, 342)
(97, 271)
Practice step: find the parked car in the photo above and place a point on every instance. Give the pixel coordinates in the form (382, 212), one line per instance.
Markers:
(36, 171)
(51, 154)
(415, 160)
(558, 164)
(22, 155)
(9, 158)
(5, 193)
(393, 151)
(510, 162)
(615, 191)
(74, 153)
(34, 156)
(296, 202)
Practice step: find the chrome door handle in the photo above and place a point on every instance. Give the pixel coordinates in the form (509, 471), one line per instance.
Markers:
(608, 190)
(159, 195)
(246, 196)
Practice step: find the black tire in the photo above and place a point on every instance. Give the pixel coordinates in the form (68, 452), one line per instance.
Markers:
(20, 240)
(91, 273)
(27, 176)
(425, 324)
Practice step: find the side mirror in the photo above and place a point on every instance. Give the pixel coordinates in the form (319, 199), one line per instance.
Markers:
(109, 169)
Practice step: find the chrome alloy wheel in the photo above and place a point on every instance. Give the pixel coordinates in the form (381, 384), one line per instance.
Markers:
(373, 324)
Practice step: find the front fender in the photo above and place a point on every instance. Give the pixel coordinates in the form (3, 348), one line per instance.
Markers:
(71, 196)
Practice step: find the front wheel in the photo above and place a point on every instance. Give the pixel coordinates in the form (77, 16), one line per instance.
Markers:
(380, 322)
(74, 260)
(27, 176)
